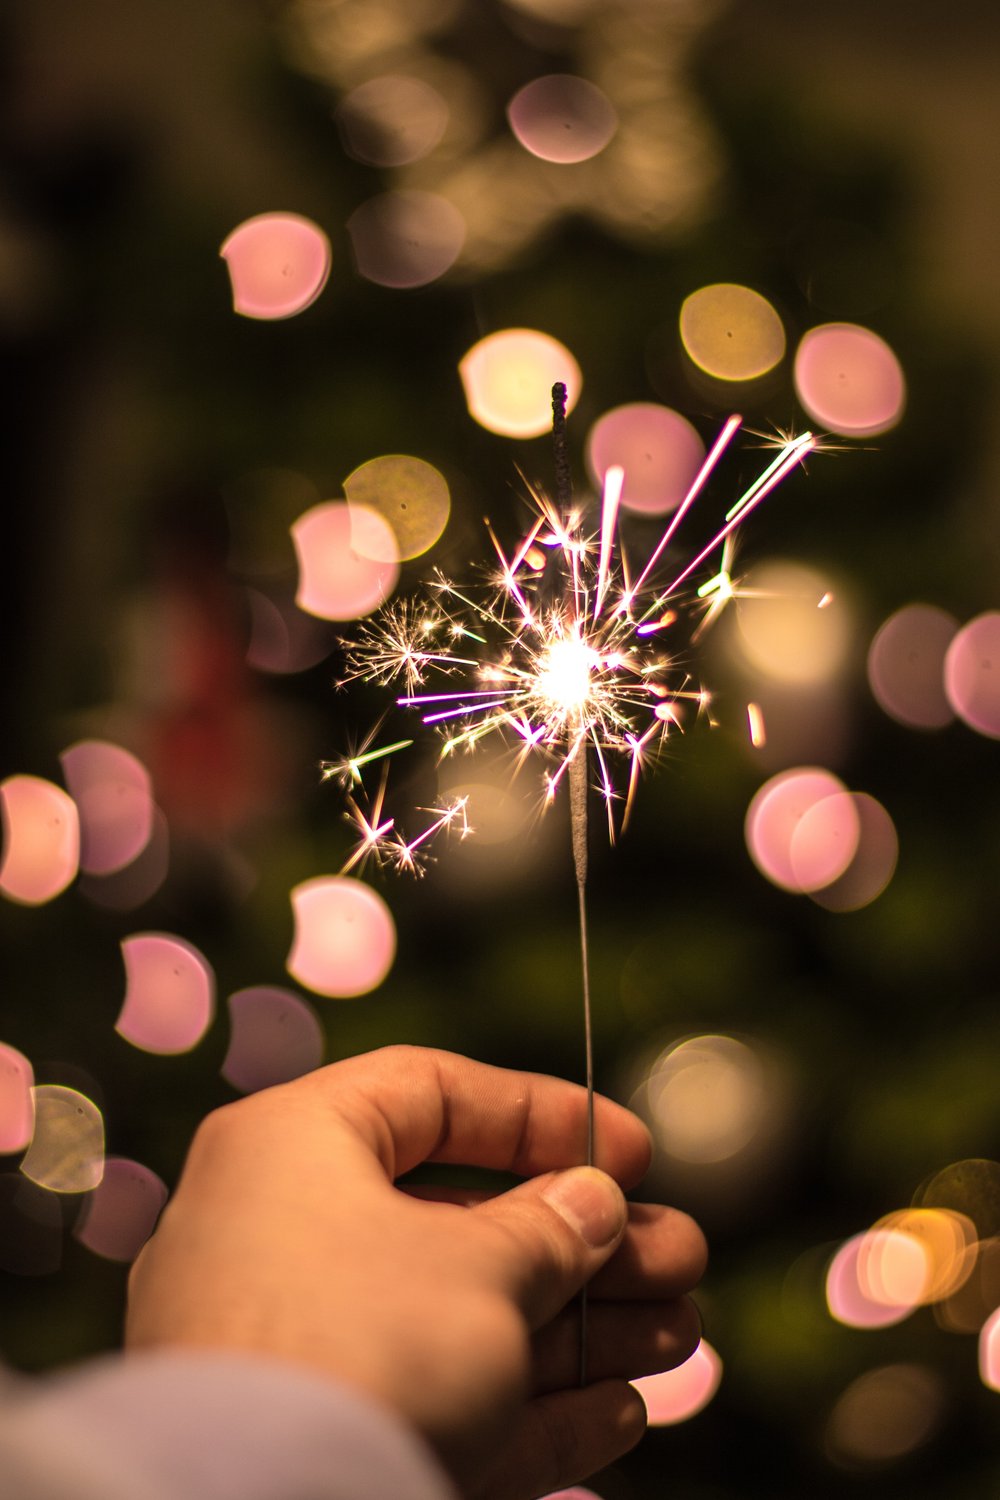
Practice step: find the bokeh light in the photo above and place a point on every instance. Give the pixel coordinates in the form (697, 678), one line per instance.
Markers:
(66, 1154)
(659, 450)
(508, 378)
(731, 332)
(406, 238)
(772, 822)
(972, 674)
(788, 627)
(278, 264)
(966, 1309)
(410, 495)
(850, 1296)
(41, 840)
(884, 1415)
(392, 120)
(989, 1351)
(970, 1187)
(707, 1098)
(906, 665)
(824, 842)
(113, 793)
(275, 1036)
(17, 1104)
(169, 993)
(677, 1395)
(873, 864)
(138, 882)
(118, 1217)
(849, 380)
(337, 546)
(948, 1240)
(345, 938)
(283, 639)
(562, 118)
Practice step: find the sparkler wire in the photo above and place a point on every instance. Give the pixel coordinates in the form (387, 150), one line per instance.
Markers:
(578, 778)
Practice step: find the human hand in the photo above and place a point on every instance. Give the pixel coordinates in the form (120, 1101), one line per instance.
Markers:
(287, 1237)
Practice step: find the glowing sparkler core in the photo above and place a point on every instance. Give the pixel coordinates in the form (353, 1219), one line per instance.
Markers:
(564, 673)
(565, 650)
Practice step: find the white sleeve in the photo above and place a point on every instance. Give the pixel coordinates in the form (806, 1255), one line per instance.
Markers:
(204, 1426)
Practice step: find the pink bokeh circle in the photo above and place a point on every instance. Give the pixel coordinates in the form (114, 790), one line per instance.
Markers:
(562, 118)
(659, 450)
(906, 665)
(849, 380)
(972, 674)
(345, 937)
(677, 1395)
(278, 264)
(338, 547)
(772, 824)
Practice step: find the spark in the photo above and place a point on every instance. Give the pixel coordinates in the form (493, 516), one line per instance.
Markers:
(563, 649)
(381, 843)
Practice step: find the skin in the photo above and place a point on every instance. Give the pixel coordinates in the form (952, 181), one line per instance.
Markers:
(287, 1238)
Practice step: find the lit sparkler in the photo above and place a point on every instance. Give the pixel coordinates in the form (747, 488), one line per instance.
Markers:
(567, 651)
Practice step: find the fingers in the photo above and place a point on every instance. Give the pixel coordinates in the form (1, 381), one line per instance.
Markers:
(562, 1439)
(624, 1340)
(549, 1236)
(663, 1254)
(413, 1104)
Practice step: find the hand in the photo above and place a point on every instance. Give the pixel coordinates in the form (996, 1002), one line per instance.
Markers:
(286, 1237)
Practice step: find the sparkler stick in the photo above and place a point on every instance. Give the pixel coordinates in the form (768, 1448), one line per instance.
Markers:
(578, 779)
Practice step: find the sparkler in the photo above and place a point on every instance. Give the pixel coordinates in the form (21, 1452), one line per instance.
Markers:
(567, 652)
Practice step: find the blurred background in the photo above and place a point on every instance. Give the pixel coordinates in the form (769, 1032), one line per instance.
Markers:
(247, 254)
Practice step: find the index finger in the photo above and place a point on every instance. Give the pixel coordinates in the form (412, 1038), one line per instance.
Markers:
(415, 1104)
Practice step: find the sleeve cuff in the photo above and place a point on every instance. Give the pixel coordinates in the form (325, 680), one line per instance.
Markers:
(173, 1426)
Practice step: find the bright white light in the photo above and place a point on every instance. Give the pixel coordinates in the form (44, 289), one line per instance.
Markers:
(564, 677)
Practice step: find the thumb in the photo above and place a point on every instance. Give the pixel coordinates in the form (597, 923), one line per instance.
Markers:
(560, 1229)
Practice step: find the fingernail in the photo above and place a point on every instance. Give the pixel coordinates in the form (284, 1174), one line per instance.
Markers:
(591, 1203)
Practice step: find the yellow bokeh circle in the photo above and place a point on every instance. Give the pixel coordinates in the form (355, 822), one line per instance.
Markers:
(731, 332)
